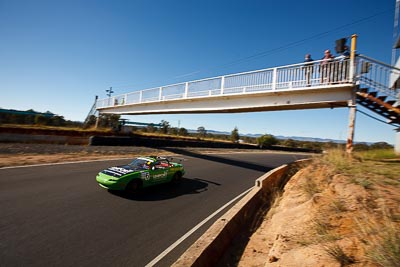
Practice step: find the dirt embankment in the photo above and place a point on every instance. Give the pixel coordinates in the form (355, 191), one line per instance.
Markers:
(55, 131)
(326, 218)
(15, 154)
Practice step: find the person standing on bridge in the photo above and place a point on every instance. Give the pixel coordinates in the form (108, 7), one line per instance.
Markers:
(308, 68)
(326, 67)
(344, 58)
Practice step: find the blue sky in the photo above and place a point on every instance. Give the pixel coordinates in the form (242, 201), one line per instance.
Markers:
(57, 55)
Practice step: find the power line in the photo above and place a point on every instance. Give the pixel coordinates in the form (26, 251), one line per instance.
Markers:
(316, 36)
(283, 47)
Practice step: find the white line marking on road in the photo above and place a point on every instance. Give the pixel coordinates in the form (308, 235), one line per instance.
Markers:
(60, 163)
(194, 229)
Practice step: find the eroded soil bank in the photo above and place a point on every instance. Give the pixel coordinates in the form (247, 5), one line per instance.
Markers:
(330, 215)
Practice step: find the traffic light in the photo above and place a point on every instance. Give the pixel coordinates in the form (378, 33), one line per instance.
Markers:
(109, 92)
(340, 44)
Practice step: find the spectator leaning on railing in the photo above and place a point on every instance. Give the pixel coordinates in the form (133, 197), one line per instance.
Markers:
(326, 68)
(308, 68)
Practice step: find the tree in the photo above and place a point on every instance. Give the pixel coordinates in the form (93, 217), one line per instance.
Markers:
(266, 140)
(109, 120)
(173, 131)
(57, 121)
(235, 135)
(201, 131)
(361, 147)
(40, 120)
(164, 127)
(183, 132)
(150, 128)
(381, 145)
(290, 143)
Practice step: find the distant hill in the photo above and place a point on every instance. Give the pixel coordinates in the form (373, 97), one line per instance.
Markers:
(297, 138)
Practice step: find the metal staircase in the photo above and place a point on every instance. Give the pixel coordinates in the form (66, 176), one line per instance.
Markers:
(377, 88)
(93, 112)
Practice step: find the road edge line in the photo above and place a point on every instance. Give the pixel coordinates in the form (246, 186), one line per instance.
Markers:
(59, 163)
(194, 229)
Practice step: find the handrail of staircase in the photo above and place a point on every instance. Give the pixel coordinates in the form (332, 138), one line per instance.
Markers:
(377, 75)
(378, 62)
(93, 111)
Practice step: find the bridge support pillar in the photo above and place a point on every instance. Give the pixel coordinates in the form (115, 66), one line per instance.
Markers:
(97, 122)
(352, 121)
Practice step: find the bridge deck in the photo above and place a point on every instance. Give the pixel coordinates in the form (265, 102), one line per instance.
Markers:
(301, 98)
(299, 86)
(289, 87)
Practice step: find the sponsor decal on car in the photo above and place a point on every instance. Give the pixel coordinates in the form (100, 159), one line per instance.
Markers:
(145, 176)
(160, 176)
(117, 171)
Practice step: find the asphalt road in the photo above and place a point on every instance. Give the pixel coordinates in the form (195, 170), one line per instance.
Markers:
(57, 215)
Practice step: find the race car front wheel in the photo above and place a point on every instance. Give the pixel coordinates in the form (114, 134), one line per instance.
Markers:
(133, 187)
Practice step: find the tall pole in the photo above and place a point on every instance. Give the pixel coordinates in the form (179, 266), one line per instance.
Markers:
(395, 32)
(353, 56)
(352, 101)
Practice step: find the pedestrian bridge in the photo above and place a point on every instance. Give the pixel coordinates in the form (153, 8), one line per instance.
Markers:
(298, 86)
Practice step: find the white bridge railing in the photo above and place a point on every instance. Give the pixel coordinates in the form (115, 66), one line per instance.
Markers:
(282, 78)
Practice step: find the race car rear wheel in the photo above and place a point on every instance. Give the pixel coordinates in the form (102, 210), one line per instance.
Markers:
(176, 178)
(133, 187)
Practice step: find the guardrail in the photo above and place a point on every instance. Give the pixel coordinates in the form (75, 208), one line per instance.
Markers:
(291, 77)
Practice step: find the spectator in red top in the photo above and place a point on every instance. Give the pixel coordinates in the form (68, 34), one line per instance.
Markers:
(327, 66)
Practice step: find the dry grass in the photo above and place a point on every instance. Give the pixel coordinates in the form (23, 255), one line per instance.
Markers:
(378, 154)
(55, 128)
(381, 238)
(339, 255)
(339, 205)
(378, 172)
(310, 187)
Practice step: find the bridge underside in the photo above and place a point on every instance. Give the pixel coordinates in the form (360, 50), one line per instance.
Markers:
(302, 98)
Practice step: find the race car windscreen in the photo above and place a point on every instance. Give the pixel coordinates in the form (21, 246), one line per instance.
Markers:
(140, 164)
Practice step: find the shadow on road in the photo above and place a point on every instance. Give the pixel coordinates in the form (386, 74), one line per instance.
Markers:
(236, 163)
(167, 191)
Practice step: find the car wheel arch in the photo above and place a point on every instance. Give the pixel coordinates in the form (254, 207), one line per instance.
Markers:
(134, 185)
(177, 177)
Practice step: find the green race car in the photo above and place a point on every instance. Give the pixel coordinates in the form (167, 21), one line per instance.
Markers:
(141, 172)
